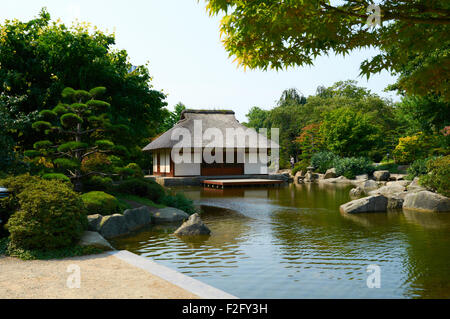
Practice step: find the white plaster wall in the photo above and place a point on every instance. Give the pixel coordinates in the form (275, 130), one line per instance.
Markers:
(155, 161)
(187, 169)
(250, 167)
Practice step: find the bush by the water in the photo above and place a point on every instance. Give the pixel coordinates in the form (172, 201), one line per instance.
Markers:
(98, 202)
(50, 216)
(300, 166)
(417, 168)
(322, 161)
(98, 183)
(438, 176)
(352, 166)
(179, 201)
(141, 187)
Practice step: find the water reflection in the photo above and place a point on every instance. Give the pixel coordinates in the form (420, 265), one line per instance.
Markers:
(292, 242)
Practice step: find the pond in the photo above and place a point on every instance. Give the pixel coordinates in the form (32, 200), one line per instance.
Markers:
(292, 242)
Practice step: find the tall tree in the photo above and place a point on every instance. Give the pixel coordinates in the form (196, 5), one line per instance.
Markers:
(39, 58)
(277, 34)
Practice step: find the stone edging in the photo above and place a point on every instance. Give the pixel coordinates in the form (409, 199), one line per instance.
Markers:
(190, 284)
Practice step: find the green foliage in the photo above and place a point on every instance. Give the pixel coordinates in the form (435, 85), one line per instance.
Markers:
(410, 148)
(66, 163)
(277, 35)
(104, 144)
(56, 176)
(438, 177)
(98, 183)
(70, 120)
(41, 125)
(32, 254)
(137, 199)
(96, 162)
(98, 202)
(137, 171)
(300, 166)
(178, 200)
(51, 215)
(31, 153)
(324, 160)
(142, 188)
(71, 146)
(390, 166)
(417, 168)
(350, 167)
(42, 145)
(47, 114)
(348, 132)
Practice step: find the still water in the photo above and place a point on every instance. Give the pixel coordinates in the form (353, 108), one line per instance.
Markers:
(292, 242)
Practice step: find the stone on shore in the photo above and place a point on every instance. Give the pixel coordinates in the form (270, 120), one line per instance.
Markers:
(137, 217)
(362, 177)
(389, 189)
(194, 226)
(94, 222)
(310, 177)
(369, 185)
(356, 192)
(168, 215)
(381, 175)
(113, 226)
(415, 186)
(427, 201)
(94, 239)
(375, 203)
(330, 173)
(298, 178)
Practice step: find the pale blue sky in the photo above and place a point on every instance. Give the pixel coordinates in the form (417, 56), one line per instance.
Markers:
(187, 60)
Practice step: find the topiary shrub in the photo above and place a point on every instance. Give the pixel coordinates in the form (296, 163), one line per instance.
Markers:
(322, 161)
(51, 216)
(96, 162)
(56, 176)
(438, 177)
(352, 166)
(137, 171)
(179, 201)
(97, 202)
(300, 166)
(141, 187)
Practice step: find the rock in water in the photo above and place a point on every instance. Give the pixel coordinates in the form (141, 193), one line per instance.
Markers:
(137, 217)
(113, 226)
(192, 227)
(94, 222)
(94, 239)
(381, 175)
(376, 203)
(168, 215)
(356, 192)
(427, 201)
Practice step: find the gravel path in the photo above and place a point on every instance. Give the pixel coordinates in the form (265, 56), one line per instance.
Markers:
(101, 276)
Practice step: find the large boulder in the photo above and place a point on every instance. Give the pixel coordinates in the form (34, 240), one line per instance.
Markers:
(381, 175)
(389, 189)
(194, 226)
(368, 185)
(330, 173)
(94, 222)
(415, 186)
(168, 215)
(427, 201)
(375, 203)
(94, 239)
(137, 217)
(113, 226)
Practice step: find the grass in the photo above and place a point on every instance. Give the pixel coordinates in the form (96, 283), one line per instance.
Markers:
(144, 201)
(32, 254)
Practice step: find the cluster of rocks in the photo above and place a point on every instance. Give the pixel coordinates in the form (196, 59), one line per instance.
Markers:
(132, 219)
(383, 191)
(396, 195)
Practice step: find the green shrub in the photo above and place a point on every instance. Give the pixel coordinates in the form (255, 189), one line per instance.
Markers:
(98, 183)
(56, 176)
(10, 204)
(322, 161)
(179, 201)
(97, 202)
(141, 188)
(51, 216)
(300, 166)
(438, 177)
(96, 162)
(137, 171)
(352, 166)
(391, 167)
(417, 168)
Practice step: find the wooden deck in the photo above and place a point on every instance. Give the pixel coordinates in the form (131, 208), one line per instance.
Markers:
(222, 183)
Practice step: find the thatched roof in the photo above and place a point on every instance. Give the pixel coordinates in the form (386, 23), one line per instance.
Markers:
(221, 119)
